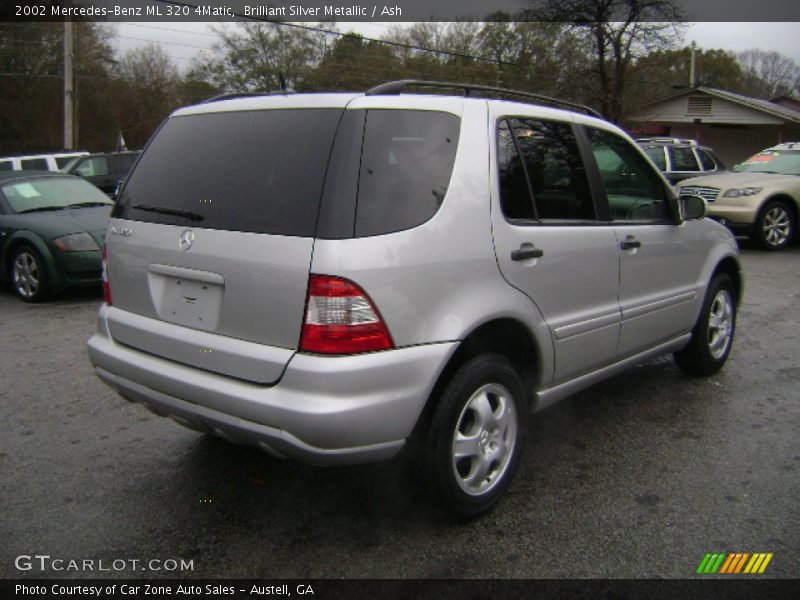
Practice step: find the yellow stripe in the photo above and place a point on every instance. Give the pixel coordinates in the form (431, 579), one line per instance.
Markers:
(757, 563)
(765, 563)
(728, 561)
(741, 562)
(753, 561)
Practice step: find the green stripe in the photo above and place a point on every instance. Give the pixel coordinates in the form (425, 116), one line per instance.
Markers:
(703, 564)
(711, 562)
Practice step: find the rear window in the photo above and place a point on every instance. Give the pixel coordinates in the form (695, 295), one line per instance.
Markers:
(256, 171)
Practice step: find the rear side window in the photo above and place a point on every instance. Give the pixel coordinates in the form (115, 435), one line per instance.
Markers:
(406, 161)
(552, 164)
(256, 171)
(682, 159)
(6, 165)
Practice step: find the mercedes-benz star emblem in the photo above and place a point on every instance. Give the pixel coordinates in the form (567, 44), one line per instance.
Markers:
(186, 240)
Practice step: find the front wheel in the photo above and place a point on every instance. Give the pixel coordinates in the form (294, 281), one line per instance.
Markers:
(29, 275)
(775, 226)
(475, 436)
(712, 336)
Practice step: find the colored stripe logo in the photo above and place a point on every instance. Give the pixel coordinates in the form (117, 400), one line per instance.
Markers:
(732, 563)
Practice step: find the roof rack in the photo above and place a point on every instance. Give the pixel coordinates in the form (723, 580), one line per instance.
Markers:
(395, 87)
(667, 140)
(234, 95)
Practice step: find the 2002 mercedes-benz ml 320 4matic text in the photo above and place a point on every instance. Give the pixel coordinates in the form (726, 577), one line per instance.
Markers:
(336, 277)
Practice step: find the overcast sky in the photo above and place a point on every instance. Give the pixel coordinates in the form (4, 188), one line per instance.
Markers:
(186, 41)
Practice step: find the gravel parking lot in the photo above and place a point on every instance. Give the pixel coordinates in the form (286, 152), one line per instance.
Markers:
(640, 476)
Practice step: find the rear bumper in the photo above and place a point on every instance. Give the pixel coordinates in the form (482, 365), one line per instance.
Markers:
(324, 410)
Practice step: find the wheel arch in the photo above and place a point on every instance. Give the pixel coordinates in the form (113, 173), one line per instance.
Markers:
(730, 266)
(505, 336)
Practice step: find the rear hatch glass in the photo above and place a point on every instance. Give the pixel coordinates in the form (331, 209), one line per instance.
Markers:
(256, 171)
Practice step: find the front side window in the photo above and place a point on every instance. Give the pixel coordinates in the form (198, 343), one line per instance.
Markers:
(541, 159)
(635, 191)
(706, 161)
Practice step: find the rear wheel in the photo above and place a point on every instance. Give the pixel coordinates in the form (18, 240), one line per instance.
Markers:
(475, 436)
(775, 226)
(712, 336)
(29, 275)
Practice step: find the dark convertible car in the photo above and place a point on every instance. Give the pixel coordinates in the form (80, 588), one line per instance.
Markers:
(52, 229)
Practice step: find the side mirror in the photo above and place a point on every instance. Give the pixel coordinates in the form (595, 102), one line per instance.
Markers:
(692, 207)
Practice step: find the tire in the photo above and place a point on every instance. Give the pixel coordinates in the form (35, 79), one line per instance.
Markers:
(28, 275)
(775, 226)
(475, 436)
(712, 337)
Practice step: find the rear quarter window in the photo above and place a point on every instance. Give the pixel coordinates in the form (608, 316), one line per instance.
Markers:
(407, 159)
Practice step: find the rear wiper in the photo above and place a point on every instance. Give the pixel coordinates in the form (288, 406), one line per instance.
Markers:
(40, 209)
(164, 210)
(88, 204)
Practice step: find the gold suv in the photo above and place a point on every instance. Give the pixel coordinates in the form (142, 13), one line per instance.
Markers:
(759, 198)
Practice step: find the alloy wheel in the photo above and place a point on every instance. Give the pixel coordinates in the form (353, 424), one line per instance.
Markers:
(484, 439)
(720, 323)
(26, 274)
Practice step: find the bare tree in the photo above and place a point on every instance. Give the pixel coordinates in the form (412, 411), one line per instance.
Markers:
(262, 56)
(615, 33)
(148, 87)
(768, 74)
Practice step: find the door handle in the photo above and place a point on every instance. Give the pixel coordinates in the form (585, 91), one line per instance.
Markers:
(527, 251)
(629, 243)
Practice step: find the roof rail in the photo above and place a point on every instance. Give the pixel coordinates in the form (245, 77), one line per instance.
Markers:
(395, 87)
(668, 140)
(234, 95)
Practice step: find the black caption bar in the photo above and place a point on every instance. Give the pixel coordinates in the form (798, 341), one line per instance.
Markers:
(368, 589)
(381, 10)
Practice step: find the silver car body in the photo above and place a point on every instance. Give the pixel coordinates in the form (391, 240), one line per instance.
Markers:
(226, 360)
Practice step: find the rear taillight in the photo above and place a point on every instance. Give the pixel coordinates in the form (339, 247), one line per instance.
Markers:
(341, 319)
(106, 285)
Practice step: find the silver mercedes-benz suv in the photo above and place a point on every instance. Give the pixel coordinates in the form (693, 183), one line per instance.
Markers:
(336, 277)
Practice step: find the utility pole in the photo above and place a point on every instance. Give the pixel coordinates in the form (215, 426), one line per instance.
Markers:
(691, 66)
(69, 92)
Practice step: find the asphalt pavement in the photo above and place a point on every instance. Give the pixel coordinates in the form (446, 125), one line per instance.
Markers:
(639, 476)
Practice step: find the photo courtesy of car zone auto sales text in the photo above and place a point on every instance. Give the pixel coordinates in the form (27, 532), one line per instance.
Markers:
(413, 299)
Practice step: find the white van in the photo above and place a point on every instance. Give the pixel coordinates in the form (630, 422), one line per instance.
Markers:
(38, 162)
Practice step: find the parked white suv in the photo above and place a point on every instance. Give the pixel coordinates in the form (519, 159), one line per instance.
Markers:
(338, 277)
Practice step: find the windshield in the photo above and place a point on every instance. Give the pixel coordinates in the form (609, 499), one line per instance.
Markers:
(50, 193)
(783, 162)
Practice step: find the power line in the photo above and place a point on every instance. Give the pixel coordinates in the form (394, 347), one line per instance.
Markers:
(368, 39)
